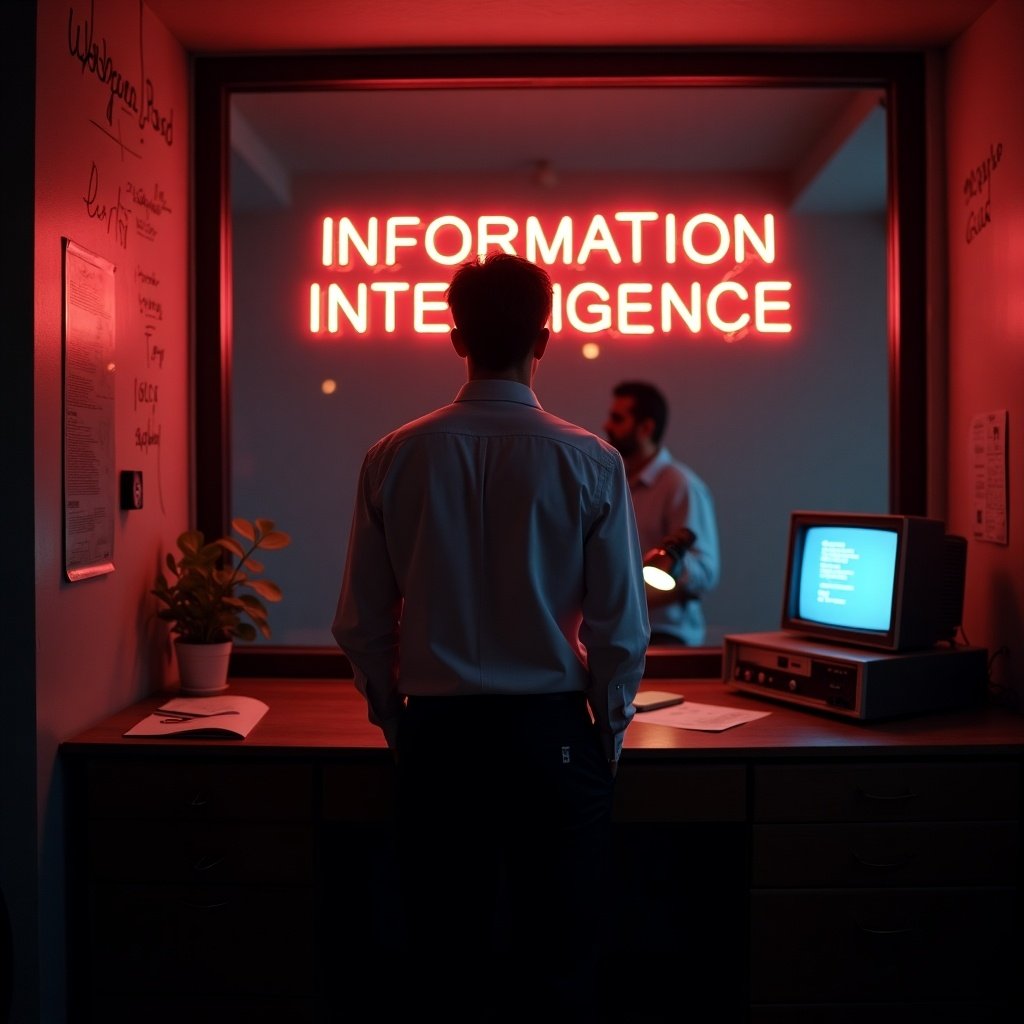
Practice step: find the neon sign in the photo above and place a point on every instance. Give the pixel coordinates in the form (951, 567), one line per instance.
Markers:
(632, 272)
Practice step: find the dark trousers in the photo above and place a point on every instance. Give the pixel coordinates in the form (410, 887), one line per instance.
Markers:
(504, 818)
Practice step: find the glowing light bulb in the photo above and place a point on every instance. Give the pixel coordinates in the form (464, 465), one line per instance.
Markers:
(658, 578)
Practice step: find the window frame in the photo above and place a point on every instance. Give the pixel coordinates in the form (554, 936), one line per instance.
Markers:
(900, 75)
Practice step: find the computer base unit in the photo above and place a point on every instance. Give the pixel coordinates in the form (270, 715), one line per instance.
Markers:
(851, 681)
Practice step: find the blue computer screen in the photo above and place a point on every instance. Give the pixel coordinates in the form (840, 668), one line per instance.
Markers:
(847, 576)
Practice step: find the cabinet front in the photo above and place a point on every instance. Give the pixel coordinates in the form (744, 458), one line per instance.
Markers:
(200, 878)
(884, 883)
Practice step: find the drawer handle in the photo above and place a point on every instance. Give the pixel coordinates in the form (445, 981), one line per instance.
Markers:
(885, 931)
(205, 863)
(887, 797)
(881, 865)
(905, 930)
(207, 908)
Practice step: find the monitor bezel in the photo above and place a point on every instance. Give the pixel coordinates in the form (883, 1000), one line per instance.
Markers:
(890, 639)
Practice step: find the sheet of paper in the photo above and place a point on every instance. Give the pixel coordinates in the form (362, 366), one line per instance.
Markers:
(89, 477)
(988, 476)
(225, 717)
(703, 717)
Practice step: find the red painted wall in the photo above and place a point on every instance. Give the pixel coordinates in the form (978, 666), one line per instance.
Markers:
(112, 174)
(985, 210)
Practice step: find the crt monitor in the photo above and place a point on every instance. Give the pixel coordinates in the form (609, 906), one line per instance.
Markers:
(885, 581)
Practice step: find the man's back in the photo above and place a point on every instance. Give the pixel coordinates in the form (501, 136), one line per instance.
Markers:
(504, 531)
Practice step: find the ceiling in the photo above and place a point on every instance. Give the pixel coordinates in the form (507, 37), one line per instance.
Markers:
(253, 26)
(827, 142)
(822, 149)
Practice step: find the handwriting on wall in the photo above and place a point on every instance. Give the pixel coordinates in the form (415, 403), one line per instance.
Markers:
(146, 390)
(977, 192)
(123, 193)
(151, 204)
(108, 208)
(92, 51)
(124, 206)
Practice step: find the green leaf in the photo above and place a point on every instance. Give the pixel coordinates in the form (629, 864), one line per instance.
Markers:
(246, 632)
(266, 589)
(190, 541)
(274, 540)
(209, 553)
(232, 545)
(222, 577)
(243, 527)
(265, 525)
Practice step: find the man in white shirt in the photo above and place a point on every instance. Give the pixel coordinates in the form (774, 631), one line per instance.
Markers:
(667, 496)
(492, 609)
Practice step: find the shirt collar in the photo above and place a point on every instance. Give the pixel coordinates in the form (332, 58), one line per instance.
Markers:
(490, 390)
(650, 472)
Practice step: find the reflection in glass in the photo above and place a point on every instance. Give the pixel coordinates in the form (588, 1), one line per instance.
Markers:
(772, 421)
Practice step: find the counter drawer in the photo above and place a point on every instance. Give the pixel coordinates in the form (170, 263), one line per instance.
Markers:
(876, 945)
(673, 792)
(202, 939)
(890, 791)
(870, 854)
(364, 792)
(968, 1012)
(359, 791)
(172, 1008)
(185, 790)
(205, 852)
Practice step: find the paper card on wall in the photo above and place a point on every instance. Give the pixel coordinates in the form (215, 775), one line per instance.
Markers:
(988, 477)
(90, 491)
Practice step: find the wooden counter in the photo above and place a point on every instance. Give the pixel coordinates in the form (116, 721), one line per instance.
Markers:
(329, 716)
(795, 868)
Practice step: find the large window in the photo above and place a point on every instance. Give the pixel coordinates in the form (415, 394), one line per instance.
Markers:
(334, 195)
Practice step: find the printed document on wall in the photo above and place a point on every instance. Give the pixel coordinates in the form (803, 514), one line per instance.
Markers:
(988, 476)
(89, 490)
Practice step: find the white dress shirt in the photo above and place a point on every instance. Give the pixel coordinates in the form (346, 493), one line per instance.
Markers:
(666, 496)
(494, 549)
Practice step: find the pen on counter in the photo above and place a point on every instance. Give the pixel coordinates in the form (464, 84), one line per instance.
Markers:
(193, 714)
(655, 699)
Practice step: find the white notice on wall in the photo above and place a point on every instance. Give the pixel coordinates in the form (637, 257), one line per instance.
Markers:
(988, 476)
(89, 485)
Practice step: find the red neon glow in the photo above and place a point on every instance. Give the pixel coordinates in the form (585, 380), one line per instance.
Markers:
(450, 240)
(408, 262)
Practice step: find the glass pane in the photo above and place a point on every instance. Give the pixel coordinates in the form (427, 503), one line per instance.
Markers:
(728, 244)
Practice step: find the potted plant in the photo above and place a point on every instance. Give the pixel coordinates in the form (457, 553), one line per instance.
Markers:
(213, 597)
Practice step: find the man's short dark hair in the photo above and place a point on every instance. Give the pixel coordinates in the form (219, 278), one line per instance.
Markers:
(500, 303)
(648, 404)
